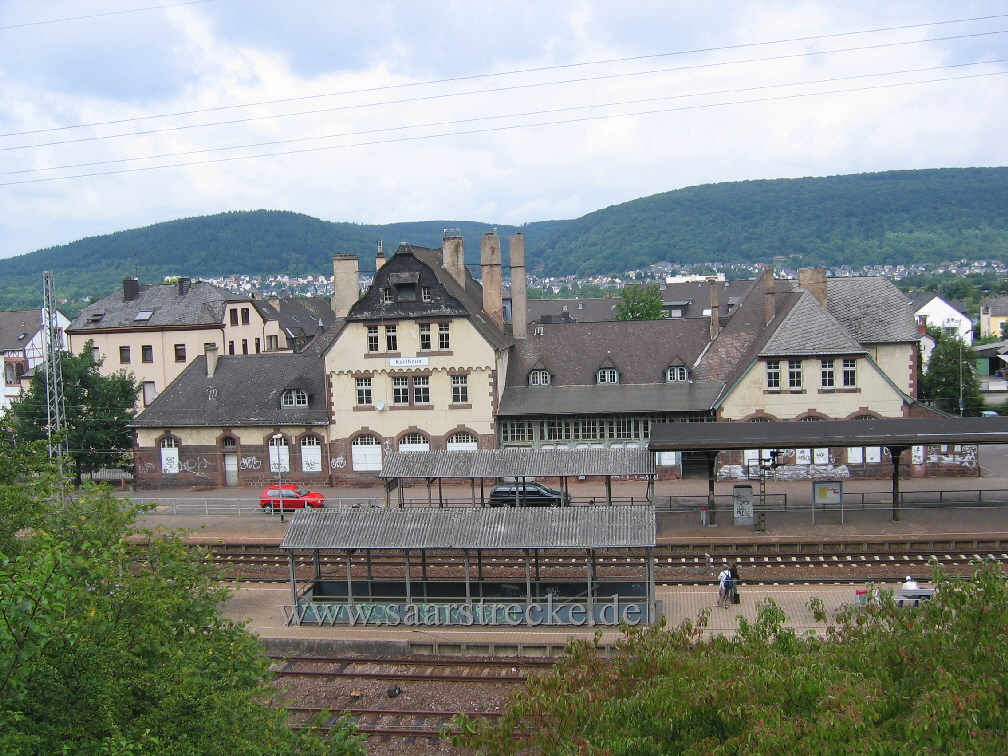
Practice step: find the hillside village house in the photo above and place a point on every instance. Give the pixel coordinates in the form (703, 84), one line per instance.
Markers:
(993, 316)
(23, 346)
(155, 331)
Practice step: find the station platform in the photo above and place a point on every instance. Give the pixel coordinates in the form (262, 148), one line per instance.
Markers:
(260, 607)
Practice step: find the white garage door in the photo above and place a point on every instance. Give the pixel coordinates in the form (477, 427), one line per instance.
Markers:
(366, 453)
(311, 454)
(461, 441)
(413, 442)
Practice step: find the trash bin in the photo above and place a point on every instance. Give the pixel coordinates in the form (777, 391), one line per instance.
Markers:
(703, 515)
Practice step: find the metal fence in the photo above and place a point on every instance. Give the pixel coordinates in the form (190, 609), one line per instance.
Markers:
(234, 507)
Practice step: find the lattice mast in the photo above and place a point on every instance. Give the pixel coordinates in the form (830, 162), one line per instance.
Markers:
(53, 345)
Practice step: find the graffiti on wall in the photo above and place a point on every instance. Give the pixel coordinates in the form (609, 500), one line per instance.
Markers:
(337, 463)
(195, 467)
(250, 463)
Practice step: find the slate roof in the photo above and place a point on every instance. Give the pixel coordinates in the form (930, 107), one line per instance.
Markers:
(640, 350)
(697, 293)
(473, 528)
(244, 390)
(809, 329)
(302, 318)
(448, 298)
(693, 396)
(588, 310)
(872, 309)
(918, 299)
(17, 327)
(997, 306)
(203, 304)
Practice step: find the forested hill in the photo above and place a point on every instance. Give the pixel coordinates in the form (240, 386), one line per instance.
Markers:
(257, 242)
(876, 218)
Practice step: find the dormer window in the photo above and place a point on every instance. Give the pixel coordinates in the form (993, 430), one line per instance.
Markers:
(95, 317)
(406, 292)
(425, 293)
(607, 375)
(540, 378)
(294, 398)
(677, 374)
(386, 295)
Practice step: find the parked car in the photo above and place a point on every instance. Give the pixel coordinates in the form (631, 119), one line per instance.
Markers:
(293, 495)
(532, 494)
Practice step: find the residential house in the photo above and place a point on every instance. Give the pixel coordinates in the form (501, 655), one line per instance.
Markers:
(993, 316)
(155, 331)
(22, 343)
(930, 310)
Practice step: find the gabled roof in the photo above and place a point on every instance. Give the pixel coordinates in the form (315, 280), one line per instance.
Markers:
(808, 329)
(588, 310)
(203, 304)
(697, 296)
(872, 309)
(244, 391)
(997, 306)
(448, 298)
(17, 327)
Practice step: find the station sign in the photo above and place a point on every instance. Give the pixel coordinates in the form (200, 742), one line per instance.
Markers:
(402, 362)
(509, 614)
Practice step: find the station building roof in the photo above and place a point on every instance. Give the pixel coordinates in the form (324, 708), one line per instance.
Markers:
(581, 527)
(519, 462)
(895, 431)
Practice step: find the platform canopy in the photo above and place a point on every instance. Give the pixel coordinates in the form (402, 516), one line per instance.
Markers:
(890, 432)
(519, 463)
(469, 528)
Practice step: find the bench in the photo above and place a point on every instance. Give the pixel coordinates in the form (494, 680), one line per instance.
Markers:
(902, 596)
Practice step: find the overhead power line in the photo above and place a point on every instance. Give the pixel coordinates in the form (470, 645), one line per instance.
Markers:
(462, 121)
(514, 72)
(514, 127)
(101, 15)
(600, 77)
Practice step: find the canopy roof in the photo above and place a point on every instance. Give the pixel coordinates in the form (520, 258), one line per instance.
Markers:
(519, 462)
(895, 431)
(473, 528)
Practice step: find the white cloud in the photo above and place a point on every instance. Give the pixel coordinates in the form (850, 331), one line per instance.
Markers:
(225, 52)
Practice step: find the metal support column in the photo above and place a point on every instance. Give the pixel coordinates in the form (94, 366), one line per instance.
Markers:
(465, 553)
(409, 592)
(479, 570)
(293, 580)
(711, 476)
(318, 566)
(608, 489)
(370, 576)
(590, 564)
(440, 493)
(472, 490)
(649, 556)
(528, 580)
(349, 577)
(430, 496)
(895, 452)
(482, 497)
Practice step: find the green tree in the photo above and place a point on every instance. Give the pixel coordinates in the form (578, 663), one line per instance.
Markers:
(98, 411)
(951, 375)
(640, 302)
(885, 679)
(111, 642)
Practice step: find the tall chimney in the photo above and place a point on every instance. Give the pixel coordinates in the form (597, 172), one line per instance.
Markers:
(715, 310)
(131, 289)
(490, 262)
(184, 284)
(453, 255)
(379, 258)
(519, 311)
(211, 359)
(813, 280)
(346, 285)
(769, 297)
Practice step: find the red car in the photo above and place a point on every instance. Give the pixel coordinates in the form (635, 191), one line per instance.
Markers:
(294, 497)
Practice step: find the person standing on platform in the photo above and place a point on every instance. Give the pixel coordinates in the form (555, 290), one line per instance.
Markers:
(723, 579)
(733, 575)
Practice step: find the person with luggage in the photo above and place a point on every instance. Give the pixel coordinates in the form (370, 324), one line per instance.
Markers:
(723, 588)
(733, 575)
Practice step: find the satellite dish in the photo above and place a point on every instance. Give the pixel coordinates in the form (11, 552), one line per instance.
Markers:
(379, 406)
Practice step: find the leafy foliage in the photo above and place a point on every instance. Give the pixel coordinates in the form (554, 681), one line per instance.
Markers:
(951, 374)
(640, 302)
(885, 681)
(111, 641)
(98, 409)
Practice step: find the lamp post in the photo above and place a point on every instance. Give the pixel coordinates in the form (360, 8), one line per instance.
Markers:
(961, 402)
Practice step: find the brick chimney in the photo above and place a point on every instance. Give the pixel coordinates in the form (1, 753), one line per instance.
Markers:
(813, 280)
(769, 296)
(715, 310)
(519, 310)
(453, 255)
(131, 289)
(379, 259)
(490, 262)
(184, 284)
(346, 285)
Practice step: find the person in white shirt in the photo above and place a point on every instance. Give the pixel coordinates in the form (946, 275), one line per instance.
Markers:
(910, 584)
(723, 596)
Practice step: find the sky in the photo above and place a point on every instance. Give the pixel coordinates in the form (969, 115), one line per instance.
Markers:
(116, 114)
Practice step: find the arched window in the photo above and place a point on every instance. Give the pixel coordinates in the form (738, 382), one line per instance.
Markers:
(760, 420)
(462, 441)
(311, 454)
(366, 453)
(294, 398)
(414, 442)
(811, 419)
(279, 454)
(229, 442)
(539, 378)
(676, 374)
(607, 375)
(169, 456)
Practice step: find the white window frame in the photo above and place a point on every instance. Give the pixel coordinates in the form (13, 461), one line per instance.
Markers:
(540, 378)
(795, 377)
(676, 374)
(169, 456)
(311, 454)
(607, 376)
(294, 398)
(364, 395)
(279, 455)
(773, 374)
(850, 372)
(366, 454)
(460, 389)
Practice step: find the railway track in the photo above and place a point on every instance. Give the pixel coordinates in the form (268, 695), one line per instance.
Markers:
(412, 723)
(390, 669)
